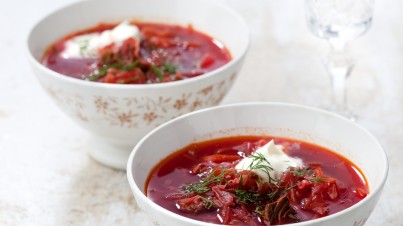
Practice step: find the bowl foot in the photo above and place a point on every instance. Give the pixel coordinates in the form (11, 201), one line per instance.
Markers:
(114, 156)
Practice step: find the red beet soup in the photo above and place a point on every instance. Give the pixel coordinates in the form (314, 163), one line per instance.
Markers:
(136, 53)
(201, 182)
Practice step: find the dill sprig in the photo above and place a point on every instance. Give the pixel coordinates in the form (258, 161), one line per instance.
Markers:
(158, 73)
(259, 210)
(203, 185)
(208, 203)
(97, 75)
(247, 197)
(170, 68)
(272, 194)
(83, 44)
(101, 72)
(259, 162)
(316, 179)
(301, 172)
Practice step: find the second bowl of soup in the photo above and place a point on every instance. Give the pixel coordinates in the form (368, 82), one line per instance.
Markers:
(129, 66)
(258, 164)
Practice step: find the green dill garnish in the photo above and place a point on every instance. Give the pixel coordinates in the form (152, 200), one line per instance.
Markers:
(273, 194)
(301, 172)
(202, 186)
(316, 179)
(128, 80)
(170, 68)
(259, 210)
(198, 188)
(260, 181)
(130, 67)
(83, 44)
(290, 187)
(101, 73)
(157, 72)
(208, 203)
(247, 197)
(104, 69)
(240, 180)
(260, 162)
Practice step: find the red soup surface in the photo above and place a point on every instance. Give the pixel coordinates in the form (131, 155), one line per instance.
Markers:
(200, 182)
(163, 53)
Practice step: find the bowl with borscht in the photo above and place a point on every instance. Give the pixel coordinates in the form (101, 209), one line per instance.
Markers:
(258, 164)
(119, 68)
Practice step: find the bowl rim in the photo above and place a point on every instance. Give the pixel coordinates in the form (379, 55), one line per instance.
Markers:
(233, 62)
(368, 198)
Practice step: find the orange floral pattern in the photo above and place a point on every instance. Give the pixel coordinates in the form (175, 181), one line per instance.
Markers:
(101, 104)
(207, 90)
(133, 112)
(149, 117)
(182, 102)
(196, 104)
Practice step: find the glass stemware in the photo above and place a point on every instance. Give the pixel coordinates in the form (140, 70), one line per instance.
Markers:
(339, 21)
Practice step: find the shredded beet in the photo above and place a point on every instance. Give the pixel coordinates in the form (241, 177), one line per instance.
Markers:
(221, 194)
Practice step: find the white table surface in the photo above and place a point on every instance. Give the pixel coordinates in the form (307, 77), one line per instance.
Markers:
(47, 177)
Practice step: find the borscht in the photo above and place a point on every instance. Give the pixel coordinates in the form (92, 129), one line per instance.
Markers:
(255, 180)
(136, 53)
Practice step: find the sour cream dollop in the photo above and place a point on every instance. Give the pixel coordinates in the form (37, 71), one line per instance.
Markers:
(269, 156)
(87, 45)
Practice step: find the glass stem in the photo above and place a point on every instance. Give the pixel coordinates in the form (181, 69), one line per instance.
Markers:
(339, 66)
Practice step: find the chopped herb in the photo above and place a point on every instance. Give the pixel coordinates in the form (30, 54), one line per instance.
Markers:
(260, 181)
(240, 180)
(170, 68)
(316, 179)
(131, 66)
(207, 202)
(202, 186)
(247, 197)
(290, 187)
(101, 73)
(128, 80)
(301, 172)
(104, 69)
(198, 188)
(83, 44)
(257, 164)
(273, 194)
(259, 210)
(158, 72)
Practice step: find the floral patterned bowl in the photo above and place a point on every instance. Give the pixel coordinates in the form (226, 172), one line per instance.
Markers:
(273, 119)
(119, 115)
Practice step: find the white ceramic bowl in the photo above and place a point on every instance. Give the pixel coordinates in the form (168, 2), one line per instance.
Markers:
(119, 115)
(281, 120)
